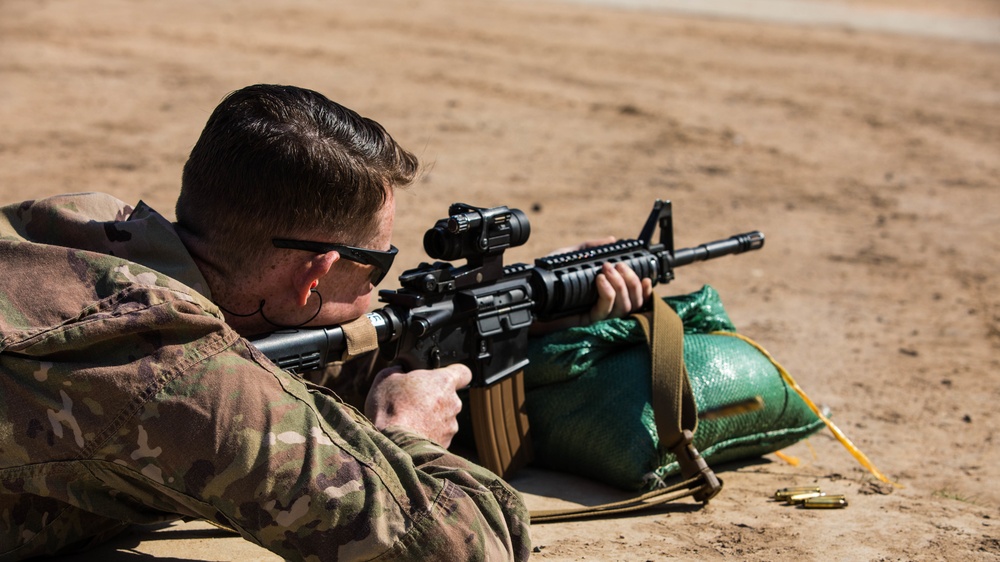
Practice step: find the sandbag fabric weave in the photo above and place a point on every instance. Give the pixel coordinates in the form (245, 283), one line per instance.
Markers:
(588, 397)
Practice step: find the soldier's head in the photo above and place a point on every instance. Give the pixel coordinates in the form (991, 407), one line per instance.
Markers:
(282, 162)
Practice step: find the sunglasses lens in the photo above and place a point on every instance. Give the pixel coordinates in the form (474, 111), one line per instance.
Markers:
(380, 261)
(381, 264)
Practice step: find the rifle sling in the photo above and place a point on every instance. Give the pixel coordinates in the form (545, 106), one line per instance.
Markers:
(674, 408)
(647, 500)
(676, 418)
(361, 337)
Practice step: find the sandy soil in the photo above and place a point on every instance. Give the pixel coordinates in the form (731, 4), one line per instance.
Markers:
(870, 161)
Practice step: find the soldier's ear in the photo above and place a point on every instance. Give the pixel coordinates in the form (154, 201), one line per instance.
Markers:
(308, 275)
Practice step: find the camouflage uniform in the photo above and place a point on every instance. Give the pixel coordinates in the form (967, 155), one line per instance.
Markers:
(125, 398)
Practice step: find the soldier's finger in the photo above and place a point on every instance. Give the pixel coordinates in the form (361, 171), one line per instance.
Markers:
(634, 286)
(461, 375)
(605, 299)
(622, 303)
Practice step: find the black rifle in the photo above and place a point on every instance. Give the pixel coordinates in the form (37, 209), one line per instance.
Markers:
(479, 314)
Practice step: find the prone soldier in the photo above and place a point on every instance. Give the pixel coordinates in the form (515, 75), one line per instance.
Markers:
(130, 394)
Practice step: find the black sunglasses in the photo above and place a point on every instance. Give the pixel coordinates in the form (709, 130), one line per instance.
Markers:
(380, 260)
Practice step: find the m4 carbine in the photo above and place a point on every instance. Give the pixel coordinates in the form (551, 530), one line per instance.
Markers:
(479, 313)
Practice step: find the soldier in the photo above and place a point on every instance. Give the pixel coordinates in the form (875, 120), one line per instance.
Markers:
(128, 393)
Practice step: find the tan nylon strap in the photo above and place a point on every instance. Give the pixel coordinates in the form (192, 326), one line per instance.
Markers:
(361, 337)
(676, 418)
(500, 425)
(674, 408)
(673, 403)
(645, 501)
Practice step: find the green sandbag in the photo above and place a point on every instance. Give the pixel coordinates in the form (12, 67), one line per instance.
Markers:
(588, 397)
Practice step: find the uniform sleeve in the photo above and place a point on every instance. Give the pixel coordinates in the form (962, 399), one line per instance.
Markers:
(236, 441)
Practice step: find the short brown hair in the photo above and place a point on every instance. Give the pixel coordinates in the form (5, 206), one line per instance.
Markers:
(286, 161)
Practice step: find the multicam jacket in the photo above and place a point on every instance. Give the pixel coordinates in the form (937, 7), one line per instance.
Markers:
(125, 398)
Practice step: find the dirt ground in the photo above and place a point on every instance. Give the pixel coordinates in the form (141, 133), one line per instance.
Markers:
(870, 160)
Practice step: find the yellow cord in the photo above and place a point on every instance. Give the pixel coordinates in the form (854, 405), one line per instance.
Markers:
(794, 461)
(851, 448)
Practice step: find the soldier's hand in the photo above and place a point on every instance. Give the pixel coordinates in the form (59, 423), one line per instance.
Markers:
(620, 292)
(424, 402)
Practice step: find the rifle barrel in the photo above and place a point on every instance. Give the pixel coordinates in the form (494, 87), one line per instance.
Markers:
(733, 245)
